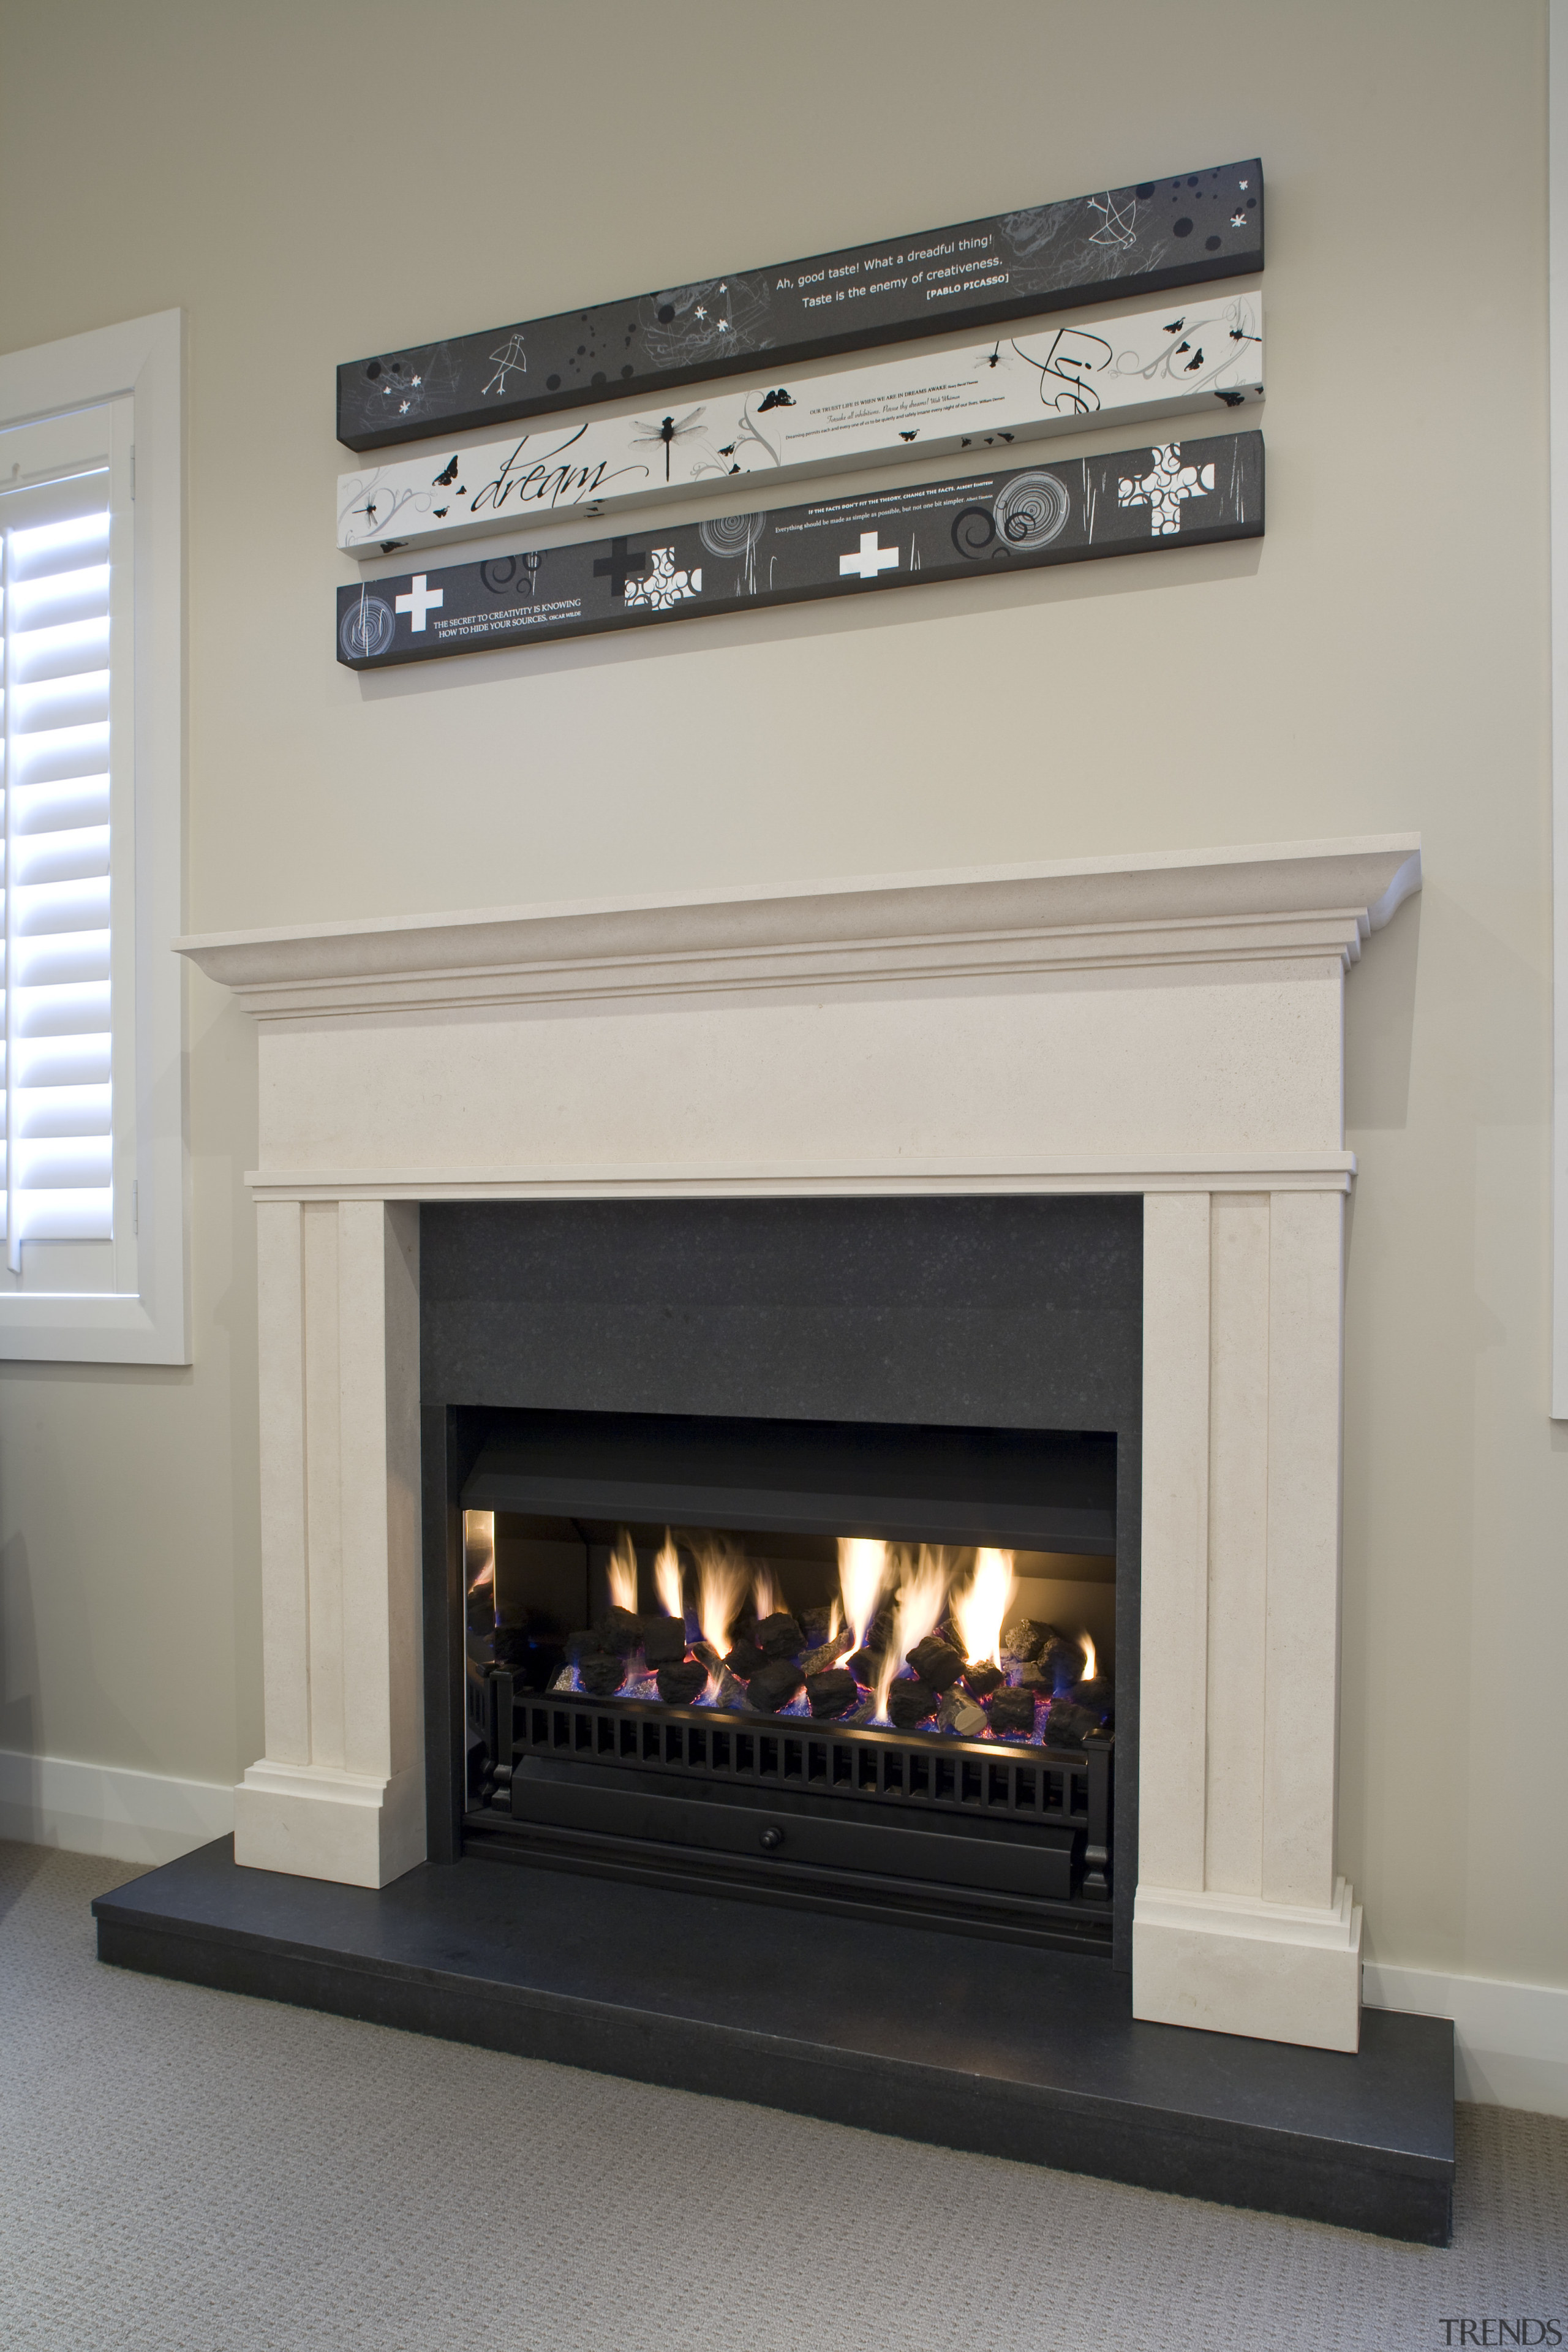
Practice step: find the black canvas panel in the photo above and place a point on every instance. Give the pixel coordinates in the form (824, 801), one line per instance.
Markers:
(1134, 240)
(1174, 495)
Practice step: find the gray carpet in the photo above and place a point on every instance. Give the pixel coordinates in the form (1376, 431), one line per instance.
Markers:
(187, 2171)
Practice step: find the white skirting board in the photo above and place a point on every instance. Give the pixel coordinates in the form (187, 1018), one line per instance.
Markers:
(145, 1817)
(1511, 2041)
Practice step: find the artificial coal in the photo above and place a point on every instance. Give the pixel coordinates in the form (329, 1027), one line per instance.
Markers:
(664, 1640)
(1069, 1726)
(774, 1684)
(600, 1674)
(744, 1661)
(678, 1686)
(910, 1703)
(619, 1632)
(1099, 1696)
(779, 1636)
(1021, 1638)
(982, 1680)
(833, 1693)
(936, 1661)
(534, 1660)
(1012, 1710)
(1061, 1661)
(813, 1625)
(865, 1665)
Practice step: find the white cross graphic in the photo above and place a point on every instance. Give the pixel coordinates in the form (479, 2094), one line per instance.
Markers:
(871, 559)
(419, 601)
(1165, 488)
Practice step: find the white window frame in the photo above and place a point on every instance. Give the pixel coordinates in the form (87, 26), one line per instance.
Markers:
(142, 358)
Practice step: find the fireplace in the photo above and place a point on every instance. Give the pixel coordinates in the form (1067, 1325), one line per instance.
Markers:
(642, 1283)
(1157, 1036)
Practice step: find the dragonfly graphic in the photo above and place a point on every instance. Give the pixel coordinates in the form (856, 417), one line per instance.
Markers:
(669, 430)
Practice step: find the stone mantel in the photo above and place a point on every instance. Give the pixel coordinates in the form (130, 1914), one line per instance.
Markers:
(1170, 1025)
(1281, 900)
(1121, 979)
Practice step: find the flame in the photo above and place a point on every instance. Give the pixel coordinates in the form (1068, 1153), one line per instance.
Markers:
(765, 1590)
(921, 1600)
(916, 1614)
(722, 1579)
(835, 1622)
(980, 1611)
(666, 1576)
(1091, 1668)
(480, 1544)
(624, 1573)
(862, 1578)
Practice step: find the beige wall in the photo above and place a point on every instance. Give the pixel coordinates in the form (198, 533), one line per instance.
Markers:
(314, 182)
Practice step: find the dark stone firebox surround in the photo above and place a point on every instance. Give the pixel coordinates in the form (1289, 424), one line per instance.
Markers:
(1012, 1312)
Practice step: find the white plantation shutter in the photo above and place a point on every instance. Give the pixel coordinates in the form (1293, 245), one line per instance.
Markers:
(94, 1163)
(66, 524)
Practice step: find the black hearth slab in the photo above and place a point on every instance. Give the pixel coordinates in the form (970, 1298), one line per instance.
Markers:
(1022, 2053)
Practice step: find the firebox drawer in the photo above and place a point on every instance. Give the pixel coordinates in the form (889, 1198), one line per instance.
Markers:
(1039, 1862)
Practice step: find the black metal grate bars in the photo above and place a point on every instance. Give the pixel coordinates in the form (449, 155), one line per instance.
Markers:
(861, 1765)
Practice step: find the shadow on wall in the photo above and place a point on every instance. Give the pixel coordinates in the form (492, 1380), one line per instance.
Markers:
(20, 1789)
(1380, 1025)
(1121, 575)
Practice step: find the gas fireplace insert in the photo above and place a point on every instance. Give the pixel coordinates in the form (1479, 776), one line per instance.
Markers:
(868, 1668)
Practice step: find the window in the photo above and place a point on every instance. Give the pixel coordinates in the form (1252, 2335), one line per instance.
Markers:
(68, 629)
(93, 1213)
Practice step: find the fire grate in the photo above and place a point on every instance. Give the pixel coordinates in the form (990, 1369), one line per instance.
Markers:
(1050, 1787)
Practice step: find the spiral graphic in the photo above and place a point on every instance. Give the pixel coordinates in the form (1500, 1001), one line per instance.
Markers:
(1031, 509)
(733, 534)
(366, 629)
(972, 531)
(499, 574)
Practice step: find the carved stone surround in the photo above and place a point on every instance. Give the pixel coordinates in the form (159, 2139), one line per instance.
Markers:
(1168, 1025)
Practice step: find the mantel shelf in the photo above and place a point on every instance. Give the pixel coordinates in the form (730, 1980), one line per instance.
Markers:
(1280, 901)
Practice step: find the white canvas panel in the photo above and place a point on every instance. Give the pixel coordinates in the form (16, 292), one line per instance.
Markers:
(1183, 357)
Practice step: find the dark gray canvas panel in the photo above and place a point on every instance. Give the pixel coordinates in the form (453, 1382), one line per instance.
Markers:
(1177, 494)
(1134, 240)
